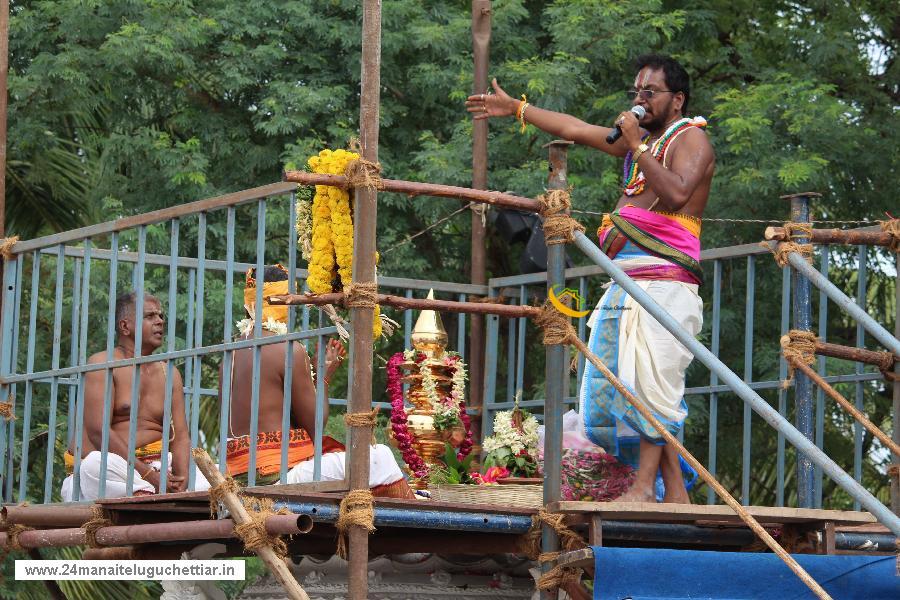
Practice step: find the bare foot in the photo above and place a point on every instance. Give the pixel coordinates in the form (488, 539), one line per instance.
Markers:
(636, 495)
(677, 497)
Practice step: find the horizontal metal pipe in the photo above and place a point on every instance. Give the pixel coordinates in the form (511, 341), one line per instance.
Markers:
(846, 303)
(415, 188)
(123, 535)
(864, 542)
(157, 216)
(870, 236)
(241, 267)
(49, 516)
(422, 519)
(453, 306)
(762, 408)
(163, 356)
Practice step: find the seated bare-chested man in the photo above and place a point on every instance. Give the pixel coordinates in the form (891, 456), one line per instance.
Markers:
(385, 477)
(150, 429)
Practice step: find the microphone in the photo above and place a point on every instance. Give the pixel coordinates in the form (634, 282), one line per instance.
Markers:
(614, 135)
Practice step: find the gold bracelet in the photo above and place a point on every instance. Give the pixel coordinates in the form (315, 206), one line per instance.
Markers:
(637, 153)
(522, 116)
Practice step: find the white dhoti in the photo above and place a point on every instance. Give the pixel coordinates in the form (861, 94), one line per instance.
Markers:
(116, 478)
(383, 468)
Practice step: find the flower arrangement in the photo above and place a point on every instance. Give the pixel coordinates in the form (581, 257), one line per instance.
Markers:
(514, 443)
(331, 231)
(399, 424)
(245, 326)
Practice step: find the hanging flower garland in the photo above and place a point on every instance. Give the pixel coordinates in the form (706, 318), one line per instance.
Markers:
(245, 326)
(399, 423)
(331, 255)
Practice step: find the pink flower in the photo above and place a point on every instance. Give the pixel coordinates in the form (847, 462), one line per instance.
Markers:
(495, 473)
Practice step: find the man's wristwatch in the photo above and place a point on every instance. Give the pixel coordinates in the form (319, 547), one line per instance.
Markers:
(640, 150)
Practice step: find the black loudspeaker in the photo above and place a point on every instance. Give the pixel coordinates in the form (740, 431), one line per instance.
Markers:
(534, 256)
(514, 225)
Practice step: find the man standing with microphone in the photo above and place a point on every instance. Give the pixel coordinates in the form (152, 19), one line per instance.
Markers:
(654, 236)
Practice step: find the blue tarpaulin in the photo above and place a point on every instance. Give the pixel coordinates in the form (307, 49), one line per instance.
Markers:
(651, 574)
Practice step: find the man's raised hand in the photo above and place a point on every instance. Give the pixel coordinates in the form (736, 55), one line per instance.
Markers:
(493, 104)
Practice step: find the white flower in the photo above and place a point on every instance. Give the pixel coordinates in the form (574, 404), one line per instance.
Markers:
(245, 326)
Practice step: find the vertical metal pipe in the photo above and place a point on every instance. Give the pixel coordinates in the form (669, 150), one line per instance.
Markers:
(110, 341)
(520, 347)
(8, 325)
(511, 361)
(289, 351)
(556, 367)
(361, 319)
(189, 341)
(197, 382)
(461, 334)
(73, 349)
(820, 394)
(782, 393)
(895, 415)
(802, 310)
(748, 377)
(14, 360)
(490, 372)
(29, 368)
(228, 358)
(861, 285)
(481, 43)
(257, 333)
(582, 333)
(138, 351)
(714, 378)
(4, 70)
(81, 359)
(170, 346)
(54, 362)
(321, 417)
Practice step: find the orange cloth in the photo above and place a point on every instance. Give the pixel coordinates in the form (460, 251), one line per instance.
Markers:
(268, 451)
(151, 452)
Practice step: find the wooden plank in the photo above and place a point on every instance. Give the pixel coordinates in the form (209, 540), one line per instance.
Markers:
(298, 489)
(581, 559)
(679, 513)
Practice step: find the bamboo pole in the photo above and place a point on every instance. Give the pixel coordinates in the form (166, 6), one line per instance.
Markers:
(853, 237)
(416, 188)
(882, 360)
(240, 515)
(704, 474)
(847, 405)
(403, 303)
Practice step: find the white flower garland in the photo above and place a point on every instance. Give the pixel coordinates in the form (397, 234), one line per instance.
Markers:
(507, 435)
(449, 412)
(245, 326)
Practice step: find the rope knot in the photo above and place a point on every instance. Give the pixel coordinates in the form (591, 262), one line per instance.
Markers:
(217, 493)
(6, 247)
(7, 411)
(357, 510)
(253, 533)
(892, 227)
(362, 173)
(363, 419)
(98, 521)
(559, 227)
(362, 294)
(797, 346)
(557, 328)
(12, 537)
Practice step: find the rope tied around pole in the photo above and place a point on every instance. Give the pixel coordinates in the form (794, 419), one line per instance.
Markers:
(218, 492)
(557, 327)
(362, 173)
(800, 346)
(253, 533)
(98, 521)
(361, 294)
(363, 419)
(531, 541)
(6, 408)
(6, 247)
(893, 228)
(559, 227)
(357, 510)
(12, 537)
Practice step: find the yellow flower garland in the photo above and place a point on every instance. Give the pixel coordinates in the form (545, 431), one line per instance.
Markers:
(332, 229)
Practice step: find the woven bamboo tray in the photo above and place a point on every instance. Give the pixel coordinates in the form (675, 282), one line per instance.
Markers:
(521, 496)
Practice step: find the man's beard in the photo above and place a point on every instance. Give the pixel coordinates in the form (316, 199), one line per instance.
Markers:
(658, 120)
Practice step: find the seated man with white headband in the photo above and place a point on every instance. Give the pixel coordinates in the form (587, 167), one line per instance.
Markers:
(385, 477)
